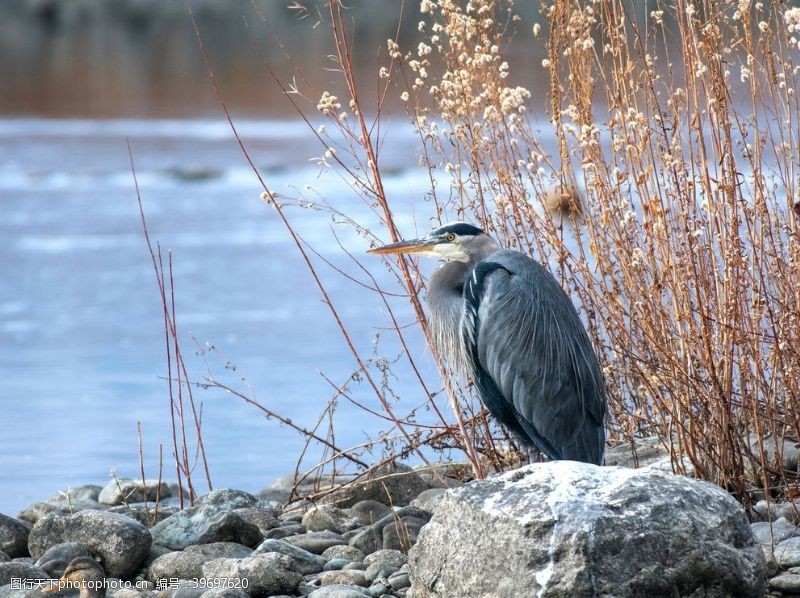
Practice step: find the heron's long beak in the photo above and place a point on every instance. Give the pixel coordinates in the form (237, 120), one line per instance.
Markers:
(412, 246)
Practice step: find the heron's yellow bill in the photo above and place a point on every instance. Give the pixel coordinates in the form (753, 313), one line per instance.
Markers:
(413, 246)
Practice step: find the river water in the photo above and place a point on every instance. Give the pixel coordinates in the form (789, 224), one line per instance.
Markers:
(81, 329)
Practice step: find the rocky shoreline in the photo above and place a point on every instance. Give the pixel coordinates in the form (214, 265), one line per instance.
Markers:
(552, 529)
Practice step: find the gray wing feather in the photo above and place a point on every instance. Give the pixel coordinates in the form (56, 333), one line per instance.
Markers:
(534, 347)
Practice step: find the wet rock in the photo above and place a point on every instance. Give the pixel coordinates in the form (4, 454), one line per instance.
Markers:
(351, 577)
(339, 591)
(209, 520)
(766, 532)
(328, 518)
(14, 536)
(126, 490)
(579, 529)
(787, 553)
(368, 512)
(65, 551)
(121, 542)
(343, 551)
(316, 542)
(304, 561)
(188, 563)
(13, 570)
(394, 484)
(267, 574)
(429, 499)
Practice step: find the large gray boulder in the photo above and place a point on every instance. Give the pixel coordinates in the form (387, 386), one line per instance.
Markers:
(212, 518)
(121, 542)
(567, 529)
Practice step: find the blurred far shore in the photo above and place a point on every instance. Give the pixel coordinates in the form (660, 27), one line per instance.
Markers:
(141, 58)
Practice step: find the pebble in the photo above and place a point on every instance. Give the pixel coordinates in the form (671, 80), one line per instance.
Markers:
(351, 577)
(787, 553)
(335, 564)
(305, 562)
(339, 591)
(786, 582)
(328, 518)
(343, 551)
(316, 542)
(126, 490)
(766, 532)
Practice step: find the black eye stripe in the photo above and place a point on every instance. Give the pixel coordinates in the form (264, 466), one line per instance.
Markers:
(459, 228)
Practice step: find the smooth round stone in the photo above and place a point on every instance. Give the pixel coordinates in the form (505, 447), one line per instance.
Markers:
(351, 577)
(399, 581)
(343, 551)
(786, 582)
(335, 564)
(316, 542)
(339, 591)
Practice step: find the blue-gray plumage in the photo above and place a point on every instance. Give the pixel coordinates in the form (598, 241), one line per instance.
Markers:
(503, 319)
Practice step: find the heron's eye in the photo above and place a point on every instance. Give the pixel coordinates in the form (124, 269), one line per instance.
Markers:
(451, 237)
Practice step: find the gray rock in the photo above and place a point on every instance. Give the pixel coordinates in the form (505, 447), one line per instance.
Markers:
(645, 451)
(209, 520)
(368, 512)
(766, 532)
(14, 536)
(378, 571)
(13, 569)
(379, 589)
(370, 538)
(188, 563)
(224, 593)
(786, 582)
(351, 577)
(316, 542)
(402, 535)
(145, 513)
(266, 574)
(789, 452)
(66, 502)
(328, 518)
(395, 484)
(395, 558)
(265, 519)
(339, 591)
(53, 567)
(343, 551)
(4, 557)
(121, 542)
(304, 561)
(787, 553)
(772, 511)
(400, 581)
(429, 499)
(284, 531)
(126, 490)
(335, 564)
(65, 551)
(356, 566)
(572, 529)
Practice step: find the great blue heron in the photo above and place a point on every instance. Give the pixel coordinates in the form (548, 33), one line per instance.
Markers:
(502, 317)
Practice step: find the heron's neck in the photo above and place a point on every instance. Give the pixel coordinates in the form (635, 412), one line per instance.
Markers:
(445, 306)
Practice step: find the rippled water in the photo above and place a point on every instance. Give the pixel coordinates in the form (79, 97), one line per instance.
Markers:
(80, 317)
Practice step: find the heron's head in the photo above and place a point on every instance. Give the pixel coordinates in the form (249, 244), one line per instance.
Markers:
(454, 241)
